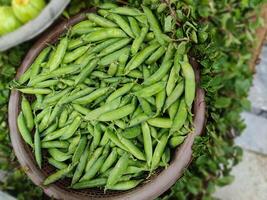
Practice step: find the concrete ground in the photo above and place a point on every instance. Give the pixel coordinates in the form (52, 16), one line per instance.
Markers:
(251, 174)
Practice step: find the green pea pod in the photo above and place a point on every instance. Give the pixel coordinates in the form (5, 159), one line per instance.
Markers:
(101, 21)
(104, 34)
(82, 27)
(176, 141)
(91, 96)
(75, 43)
(114, 46)
(75, 54)
(37, 148)
(85, 59)
(158, 152)
(59, 54)
(55, 144)
(94, 114)
(174, 96)
(98, 182)
(59, 174)
(160, 122)
(72, 128)
(156, 55)
(50, 129)
(56, 134)
(132, 132)
(93, 158)
(82, 110)
(63, 118)
(151, 90)
(111, 159)
(99, 47)
(160, 100)
(112, 70)
(113, 57)
(27, 113)
(145, 106)
(73, 144)
(134, 26)
(96, 137)
(138, 119)
(190, 84)
(139, 40)
(180, 116)
(139, 58)
(172, 110)
(31, 90)
(81, 166)
(79, 150)
(25, 76)
(147, 142)
(108, 5)
(58, 155)
(76, 95)
(113, 137)
(117, 113)
(56, 97)
(125, 185)
(160, 73)
(172, 80)
(154, 24)
(57, 164)
(126, 11)
(118, 170)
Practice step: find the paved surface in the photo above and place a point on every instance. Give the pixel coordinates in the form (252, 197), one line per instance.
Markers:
(251, 174)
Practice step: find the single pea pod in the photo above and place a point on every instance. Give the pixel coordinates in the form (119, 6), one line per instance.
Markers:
(59, 174)
(138, 119)
(139, 40)
(151, 90)
(59, 155)
(101, 21)
(113, 57)
(134, 26)
(82, 27)
(27, 113)
(125, 185)
(31, 90)
(172, 80)
(180, 117)
(104, 34)
(126, 11)
(57, 164)
(160, 122)
(72, 128)
(172, 110)
(132, 132)
(147, 142)
(174, 96)
(145, 105)
(96, 137)
(86, 71)
(111, 159)
(98, 182)
(114, 47)
(59, 54)
(190, 84)
(159, 150)
(37, 148)
(139, 58)
(24, 131)
(91, 96)
(55, 144)
(75, 54)
(118, 170)
(156, 55)
(176, 141)
(114, 138)
(79, 150)
(50, 129)
(93, 158)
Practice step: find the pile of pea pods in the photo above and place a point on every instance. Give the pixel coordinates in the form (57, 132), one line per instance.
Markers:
(112, 99)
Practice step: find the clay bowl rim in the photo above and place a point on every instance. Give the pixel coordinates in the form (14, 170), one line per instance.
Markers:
(151, 189)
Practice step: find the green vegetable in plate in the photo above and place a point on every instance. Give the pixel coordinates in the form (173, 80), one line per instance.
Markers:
(8, 20)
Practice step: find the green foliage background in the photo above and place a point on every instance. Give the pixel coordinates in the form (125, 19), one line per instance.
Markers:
(229, 26)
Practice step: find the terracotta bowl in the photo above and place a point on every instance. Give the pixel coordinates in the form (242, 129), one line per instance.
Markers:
(150, 189)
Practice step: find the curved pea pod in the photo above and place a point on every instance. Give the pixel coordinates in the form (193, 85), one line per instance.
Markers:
(50, 129)
(72, 128)
(101, 21)
(145, 106)
(113, 57)
(25, 76)
(149, 37)
(180, 117)
(154, 24)
(59, 54)
(98, 182)
(99, 47)
(57, 164)
(166, 157)
(37, 148)
(147, 142)
(117, 114)
(160, 73)
(159, 150)
(79, 150)
(172, 80)
(56, 96)
(104, 34)
(86, 71)
(132, 132)
(156, 55)
(139, 40)
(132, 149)
(96, 137)
(170, 53)
(73, 97)
(134, 26)
(190, 85)
(118, 170)
(31, 90)
(24, 131)
(138, 119)
(73, 144)
(176, 141)
(75, 43)
(125, 185)
(94, 114)
(81, 166)
(109, 162)
(113, 67)
(82, 110)
(85, 58)
(160, 100)
(126, 11)
(108, 5)
(160, 122)
(114, 46)
(174, 96)
(55, 144)
(94, 169)
(58, 155)
(91, 96)
(27, 113)
(151, 90)
(172, 110)
(93, 158)
(75, 54)
(82, 27)
(139, 58)
(54, 114)
(59, 174)
(122, 62)
(113, 137)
